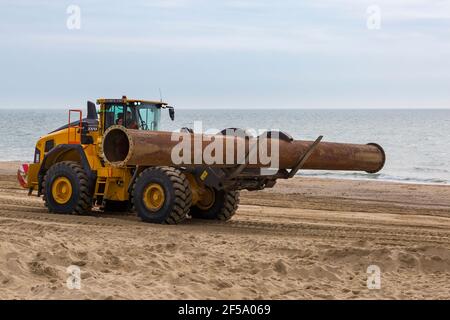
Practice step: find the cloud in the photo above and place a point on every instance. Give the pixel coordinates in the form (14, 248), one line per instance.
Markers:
(167, 4)
(392, 9)
(225, 42)
(319, 49)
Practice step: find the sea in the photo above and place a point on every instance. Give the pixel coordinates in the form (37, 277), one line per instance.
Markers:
(416, 142)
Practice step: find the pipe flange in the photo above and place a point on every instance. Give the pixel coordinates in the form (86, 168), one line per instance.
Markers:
(122, 163)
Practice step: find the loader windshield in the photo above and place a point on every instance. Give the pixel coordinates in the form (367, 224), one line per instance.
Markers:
(133, 115)
(149, 117)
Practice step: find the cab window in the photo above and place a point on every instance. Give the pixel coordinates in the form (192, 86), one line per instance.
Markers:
(149, 117)
(112, 115)
(120, 115)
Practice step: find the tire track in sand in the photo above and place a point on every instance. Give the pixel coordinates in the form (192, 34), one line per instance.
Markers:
(23, 208)
(297, 228)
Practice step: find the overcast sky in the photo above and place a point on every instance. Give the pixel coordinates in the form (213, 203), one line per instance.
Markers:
(227, 54)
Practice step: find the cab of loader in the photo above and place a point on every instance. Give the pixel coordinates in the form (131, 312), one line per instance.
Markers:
(132, 114)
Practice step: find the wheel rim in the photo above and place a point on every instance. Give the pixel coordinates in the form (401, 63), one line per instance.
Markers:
(154, 197)
(62, 190)
(207, 199)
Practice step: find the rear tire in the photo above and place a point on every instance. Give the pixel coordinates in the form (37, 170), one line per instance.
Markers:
(162, 195)
(224, 207)
(66, 189)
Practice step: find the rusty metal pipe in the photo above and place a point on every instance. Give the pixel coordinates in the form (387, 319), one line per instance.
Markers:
(122, 147)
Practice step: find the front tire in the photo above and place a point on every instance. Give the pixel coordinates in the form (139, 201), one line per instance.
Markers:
(162, 195)
(223, 207)
(66, 189)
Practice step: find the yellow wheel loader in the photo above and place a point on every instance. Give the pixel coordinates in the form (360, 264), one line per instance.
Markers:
(118, 159)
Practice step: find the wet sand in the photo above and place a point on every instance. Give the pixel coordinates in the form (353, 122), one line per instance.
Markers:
(307, 238)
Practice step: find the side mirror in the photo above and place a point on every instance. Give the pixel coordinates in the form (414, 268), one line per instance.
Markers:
(171, 113)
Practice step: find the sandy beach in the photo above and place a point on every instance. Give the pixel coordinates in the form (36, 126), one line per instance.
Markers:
(307, 238)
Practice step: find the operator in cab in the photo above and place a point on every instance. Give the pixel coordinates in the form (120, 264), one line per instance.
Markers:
(128, 123)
